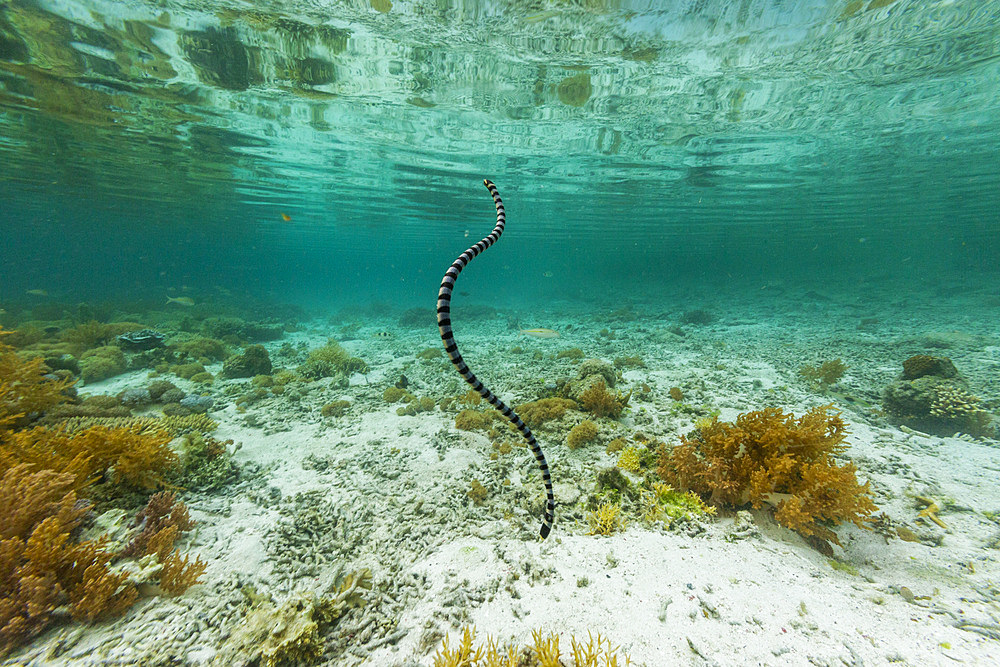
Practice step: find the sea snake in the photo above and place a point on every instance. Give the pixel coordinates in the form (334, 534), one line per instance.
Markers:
(444, 326)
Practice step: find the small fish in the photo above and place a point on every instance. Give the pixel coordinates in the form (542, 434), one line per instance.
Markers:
(286, 217)
(36, 292)
(540, 333)
(383, 334)
(181, 300)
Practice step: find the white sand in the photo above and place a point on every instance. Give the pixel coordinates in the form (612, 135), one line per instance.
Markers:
(664, 597)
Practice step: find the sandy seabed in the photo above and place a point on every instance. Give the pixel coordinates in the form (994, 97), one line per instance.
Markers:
(321, 497)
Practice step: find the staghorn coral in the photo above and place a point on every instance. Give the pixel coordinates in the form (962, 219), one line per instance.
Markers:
(937, 401)
(24, 389)
(769, 457)
(175, 425)
(951, 402)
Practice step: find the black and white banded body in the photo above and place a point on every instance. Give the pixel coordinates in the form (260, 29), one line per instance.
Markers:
(444, 326)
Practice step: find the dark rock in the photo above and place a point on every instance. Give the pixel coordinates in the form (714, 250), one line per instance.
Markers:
(139, 341)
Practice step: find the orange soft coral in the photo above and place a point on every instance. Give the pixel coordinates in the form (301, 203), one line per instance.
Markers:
(600, 402)
(41, 569)
(24, 389)
(129, 454)
(769, 457)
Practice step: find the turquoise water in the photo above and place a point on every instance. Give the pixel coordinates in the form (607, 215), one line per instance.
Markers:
(688, 147)
(711, 202)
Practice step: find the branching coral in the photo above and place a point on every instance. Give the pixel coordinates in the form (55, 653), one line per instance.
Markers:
(41, 569)
(175, 425)
(769, 457)
(161, 520)
(24, 389)
(606, 519)
(629, 459)
(542, 652)
(45, 573)
(953, 402)
(825, 375)
(136, 457)
(602, 403)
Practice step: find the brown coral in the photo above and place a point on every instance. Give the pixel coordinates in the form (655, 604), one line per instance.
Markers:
(161, 519)
(44, 572)
(600, 402)
(538, 412)
(141, 459)
(825, 375)
(179, 574)
(920, 365)
(41, 569)
(24, 389)
(584, 432)
(769, 457)
(174, 425)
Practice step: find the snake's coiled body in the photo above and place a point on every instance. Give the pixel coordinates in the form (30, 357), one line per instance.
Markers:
(444, 326)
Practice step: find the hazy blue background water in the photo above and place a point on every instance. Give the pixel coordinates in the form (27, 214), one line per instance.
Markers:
(655, 147)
